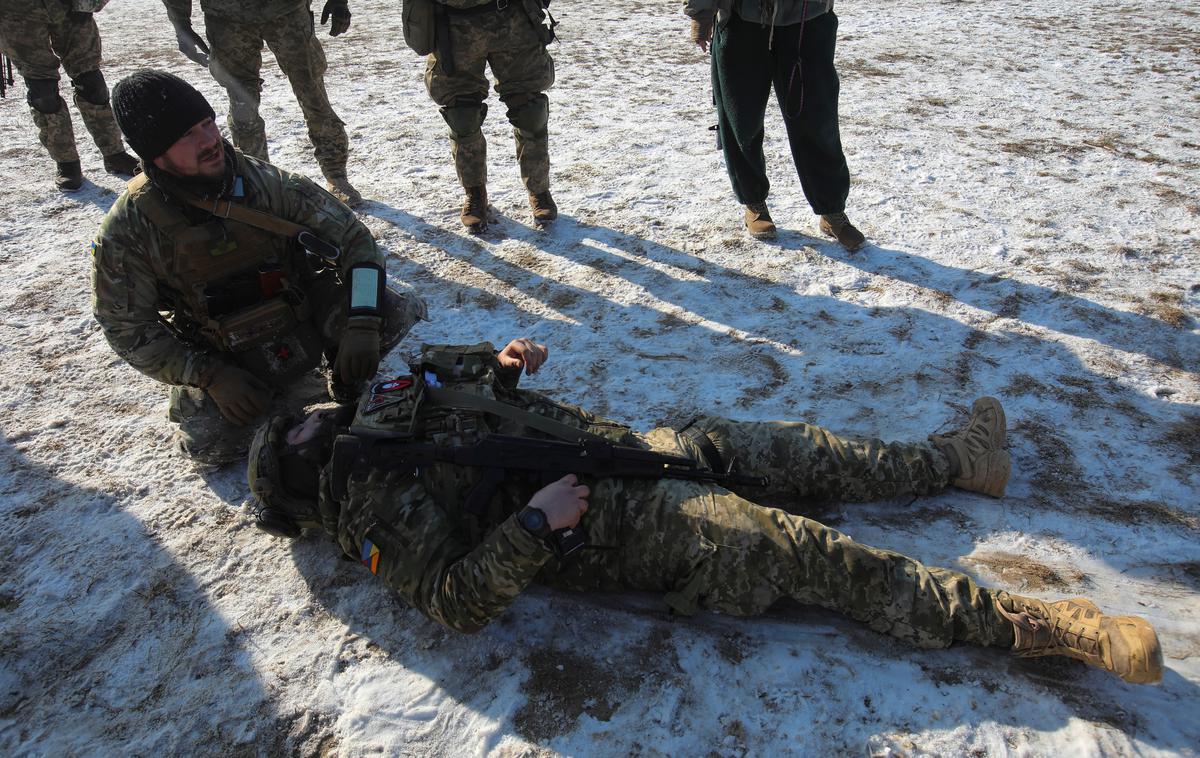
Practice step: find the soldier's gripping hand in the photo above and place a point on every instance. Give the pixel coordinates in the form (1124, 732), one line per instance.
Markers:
(702, 29)
(191, 43)
(340, 10)
(564, 502)
(240, 396)
(358, 352)
(523, 353)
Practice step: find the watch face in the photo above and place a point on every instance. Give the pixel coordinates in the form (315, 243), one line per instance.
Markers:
(533, 520)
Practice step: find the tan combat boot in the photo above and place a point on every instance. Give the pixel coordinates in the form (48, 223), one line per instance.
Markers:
(474, 209)
(758, 221)
(838, 226)
(977, 457)
(340, 187)
(544, 208)
(1125, 645)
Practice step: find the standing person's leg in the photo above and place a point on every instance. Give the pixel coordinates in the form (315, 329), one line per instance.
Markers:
(460, 88)
(524, 71)
(741, 80)
(77, 42)
(235, 62)
(26, 38)
(302, 59)
(807, 88)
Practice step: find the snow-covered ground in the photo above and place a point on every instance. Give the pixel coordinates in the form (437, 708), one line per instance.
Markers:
(1029, 174)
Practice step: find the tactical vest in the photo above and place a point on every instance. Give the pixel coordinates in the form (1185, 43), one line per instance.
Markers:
(239, 284)
(416, 407)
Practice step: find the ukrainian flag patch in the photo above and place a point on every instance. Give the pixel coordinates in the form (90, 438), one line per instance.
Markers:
(370, 556)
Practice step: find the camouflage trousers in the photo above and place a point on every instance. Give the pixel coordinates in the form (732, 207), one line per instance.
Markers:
(709, 548)
(236, 62)
(506, 41)
(208, 437)
(39, 44)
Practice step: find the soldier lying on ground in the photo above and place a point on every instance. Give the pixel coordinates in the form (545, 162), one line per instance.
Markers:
(229, 278)
(397, 481)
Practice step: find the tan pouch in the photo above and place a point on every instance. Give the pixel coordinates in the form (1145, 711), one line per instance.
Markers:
(257, 324)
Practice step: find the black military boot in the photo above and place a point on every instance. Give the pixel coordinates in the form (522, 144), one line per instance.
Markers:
(69, 177)
(838, 226)
(544, 208)
(122, 164)
(474, 209)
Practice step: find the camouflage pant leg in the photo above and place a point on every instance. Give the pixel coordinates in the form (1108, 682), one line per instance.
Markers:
(209, 438)
(302, 60)
(27, 39)
(524, 71)
(708, 548)
(805, 461)
(235, 62)
(56, 134)
(464, 91)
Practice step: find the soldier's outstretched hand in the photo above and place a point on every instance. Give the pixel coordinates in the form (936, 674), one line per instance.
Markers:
(340, 10)
(564, 502)
(523, 353)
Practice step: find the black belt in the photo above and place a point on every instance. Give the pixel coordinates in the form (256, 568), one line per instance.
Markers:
(494, 6)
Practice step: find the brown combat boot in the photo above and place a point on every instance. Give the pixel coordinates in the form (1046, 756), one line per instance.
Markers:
(978, 460)
(758, 221)
(474, 209)
(69, 176)
(340, 187)
(838, 226)
(1125, 645)
(544, 208)
(122, 164)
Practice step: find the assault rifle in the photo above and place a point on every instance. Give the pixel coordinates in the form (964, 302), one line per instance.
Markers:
(498, 454)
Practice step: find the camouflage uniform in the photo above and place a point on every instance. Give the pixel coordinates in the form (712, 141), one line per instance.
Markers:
(41, 35)
(509, 42)
(141, 300)
(701, 545)
(236, 31)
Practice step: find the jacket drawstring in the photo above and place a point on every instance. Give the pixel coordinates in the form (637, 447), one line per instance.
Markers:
(797, 74)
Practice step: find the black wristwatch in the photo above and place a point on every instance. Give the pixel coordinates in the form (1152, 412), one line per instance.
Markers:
(534, 521)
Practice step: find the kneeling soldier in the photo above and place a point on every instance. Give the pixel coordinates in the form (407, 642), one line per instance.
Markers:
(229, 278)
(437, 483)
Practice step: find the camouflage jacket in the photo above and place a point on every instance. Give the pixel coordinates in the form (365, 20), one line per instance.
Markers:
(415, 531)
(136, 308)
(246, 11)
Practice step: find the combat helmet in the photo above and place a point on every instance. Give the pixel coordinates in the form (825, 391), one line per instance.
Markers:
(285, 479)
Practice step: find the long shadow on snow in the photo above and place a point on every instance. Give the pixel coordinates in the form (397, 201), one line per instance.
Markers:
(101, 661)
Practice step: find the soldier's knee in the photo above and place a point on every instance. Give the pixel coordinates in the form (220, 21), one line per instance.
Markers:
(42, 95)
(91, 87)
(464, 118)
(529, 112)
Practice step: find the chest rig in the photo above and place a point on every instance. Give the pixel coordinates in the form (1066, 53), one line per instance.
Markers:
(237, 277)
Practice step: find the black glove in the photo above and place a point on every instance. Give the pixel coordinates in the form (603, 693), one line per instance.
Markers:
(340, 10)
(191, 44)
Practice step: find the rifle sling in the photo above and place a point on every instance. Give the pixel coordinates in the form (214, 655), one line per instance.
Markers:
(226, 209)
(457, 399)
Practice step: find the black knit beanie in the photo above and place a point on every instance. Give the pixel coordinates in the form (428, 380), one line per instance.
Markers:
(154, 109)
